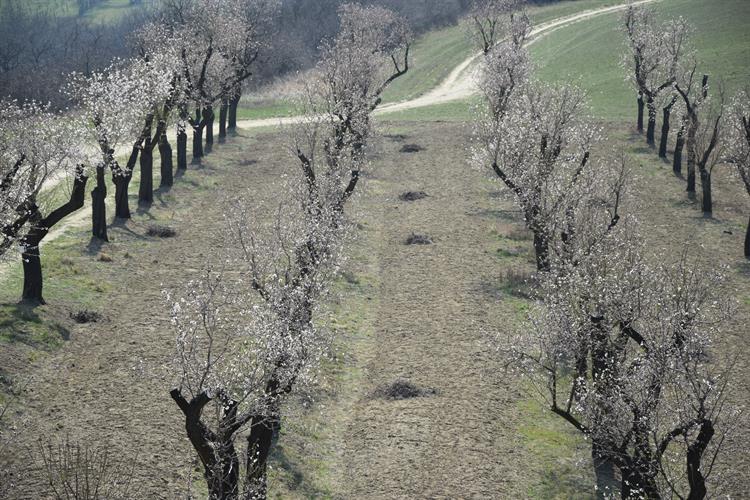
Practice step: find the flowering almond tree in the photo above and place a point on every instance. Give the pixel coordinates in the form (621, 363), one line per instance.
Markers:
(255, 18)
(492, 19)
(620, 351)
(36, 147)
(541, 151)
(244, 345)
(738, 144)
(655, 53)
(113, 107)
(694, 97)
(536, 142)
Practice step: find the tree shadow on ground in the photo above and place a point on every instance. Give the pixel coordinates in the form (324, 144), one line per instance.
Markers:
(21, 323)
(293, 478)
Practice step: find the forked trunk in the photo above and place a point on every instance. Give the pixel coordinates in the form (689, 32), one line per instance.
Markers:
(99, 207)
(32, 264)
(223, 120)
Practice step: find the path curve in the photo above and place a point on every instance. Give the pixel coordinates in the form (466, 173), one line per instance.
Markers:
(461, 82)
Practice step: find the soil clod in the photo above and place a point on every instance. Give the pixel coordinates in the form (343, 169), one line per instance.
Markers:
(418, 239)
(403, 389)
(413, 196)
(85, 316)
(411, 148)
(161, 231)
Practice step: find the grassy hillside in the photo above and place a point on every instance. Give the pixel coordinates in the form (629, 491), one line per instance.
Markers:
(106, 11)
(433, 56)
(590, 53)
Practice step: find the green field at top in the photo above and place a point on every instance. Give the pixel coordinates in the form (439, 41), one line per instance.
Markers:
(106, 11)
(590, 53)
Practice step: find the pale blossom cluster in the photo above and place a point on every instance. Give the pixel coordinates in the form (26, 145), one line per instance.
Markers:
(37, 147)
(250, 333)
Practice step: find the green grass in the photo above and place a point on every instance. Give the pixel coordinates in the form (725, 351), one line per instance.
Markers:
(432, 58)
(590, 52)
(107, 11)
(552, 444)
(21, 323)
(259, 111)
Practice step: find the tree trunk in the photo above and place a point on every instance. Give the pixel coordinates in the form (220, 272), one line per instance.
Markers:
(706, 200)
(747, 241)
(541, 249)
(259, 443)
(122, 183)
(695, 451)
(197, 137)
(232, 114)
(165, 157)
(181, 149)
(666, 111)
(223, 120)
(208, 120)
(604, 471)
(678, 147)
(651, 130)
(32, 264)
(99, 207)
(640, 112)
(690, 143)
(146, 187)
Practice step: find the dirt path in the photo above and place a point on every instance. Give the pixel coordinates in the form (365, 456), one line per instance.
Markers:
(461, 82)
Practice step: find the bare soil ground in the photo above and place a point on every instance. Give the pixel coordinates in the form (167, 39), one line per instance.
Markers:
(418, 316)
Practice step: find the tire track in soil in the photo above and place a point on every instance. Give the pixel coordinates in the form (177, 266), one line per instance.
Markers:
(430, 327)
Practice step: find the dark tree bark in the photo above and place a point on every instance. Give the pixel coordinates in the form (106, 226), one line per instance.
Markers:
(208, 120)
(541, 250)
(166, 165)
(604, 471)
(695, 451)
(678, 147)
(232, 114)
(223, 120)
(32, 264)
(215, 449)
(259, 443)
(692, 131)
(146, 186)
(182, 140)
(651, 130)
(197, 136)
(640, 112)
(666, 112)
(706, 198)
(99, 207)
